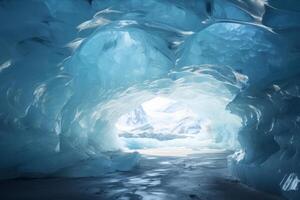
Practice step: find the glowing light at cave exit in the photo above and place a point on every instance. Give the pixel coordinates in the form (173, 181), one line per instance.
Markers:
(164, 126)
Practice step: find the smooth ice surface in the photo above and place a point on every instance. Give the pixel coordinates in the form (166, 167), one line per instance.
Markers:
(202, 175)
(70, 70)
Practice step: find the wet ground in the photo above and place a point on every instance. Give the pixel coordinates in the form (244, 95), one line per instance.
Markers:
(202, 176)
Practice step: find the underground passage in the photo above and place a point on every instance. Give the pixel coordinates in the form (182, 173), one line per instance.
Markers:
(149, 99)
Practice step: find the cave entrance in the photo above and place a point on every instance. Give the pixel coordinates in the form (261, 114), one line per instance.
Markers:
(164, 126)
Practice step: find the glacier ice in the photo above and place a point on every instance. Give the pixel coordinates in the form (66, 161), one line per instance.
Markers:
(290, 182)
(249, 50)
(115, 56)
(70, 70)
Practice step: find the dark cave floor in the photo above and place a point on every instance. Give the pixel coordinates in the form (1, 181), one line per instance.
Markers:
(202, 176)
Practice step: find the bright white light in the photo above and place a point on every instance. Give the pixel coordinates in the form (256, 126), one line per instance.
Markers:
(190, 119)
(163, 122)
(157, 104)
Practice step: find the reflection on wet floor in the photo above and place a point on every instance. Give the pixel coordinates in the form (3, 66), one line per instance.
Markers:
(196, 177)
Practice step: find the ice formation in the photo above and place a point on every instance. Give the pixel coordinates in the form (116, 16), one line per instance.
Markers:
(70, 69)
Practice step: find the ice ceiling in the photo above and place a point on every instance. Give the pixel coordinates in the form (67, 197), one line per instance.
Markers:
(70, 69)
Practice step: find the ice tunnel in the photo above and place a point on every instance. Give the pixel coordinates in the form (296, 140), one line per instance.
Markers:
(89, 87)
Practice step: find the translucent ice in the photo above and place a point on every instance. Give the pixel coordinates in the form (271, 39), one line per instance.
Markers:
(70, 70)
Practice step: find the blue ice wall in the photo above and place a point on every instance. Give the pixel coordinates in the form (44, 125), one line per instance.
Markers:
(269, 158)
(69, 69)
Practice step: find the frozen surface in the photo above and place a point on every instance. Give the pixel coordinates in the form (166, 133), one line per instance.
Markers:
(70, 70)
(199, 176)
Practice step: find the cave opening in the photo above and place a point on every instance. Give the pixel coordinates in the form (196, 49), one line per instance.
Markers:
(164, 126)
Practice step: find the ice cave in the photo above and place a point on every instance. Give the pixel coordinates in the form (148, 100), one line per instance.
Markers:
(150, 99)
